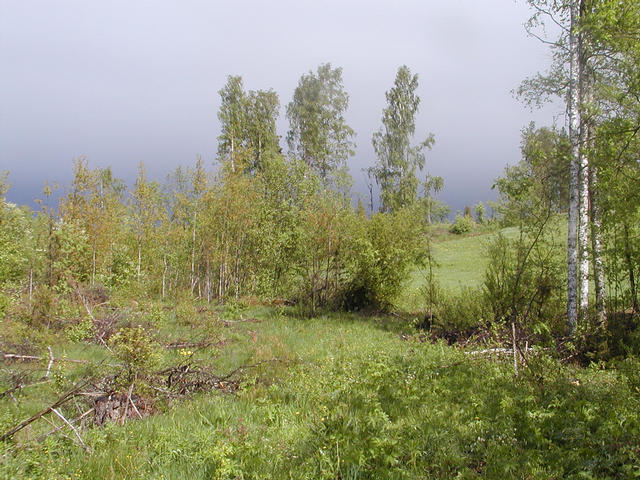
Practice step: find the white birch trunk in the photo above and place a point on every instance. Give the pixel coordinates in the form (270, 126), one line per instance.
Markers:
(93, 264)
(233, 166)
(584, 90)
(193, 249)
(583, 237)
(596, 245)
(573, 111)
(139, 259)
(164, 272)
(595, 213)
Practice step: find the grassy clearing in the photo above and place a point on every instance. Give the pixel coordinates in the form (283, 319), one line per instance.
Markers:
(352, 398)
(336, 397)
(460, 263)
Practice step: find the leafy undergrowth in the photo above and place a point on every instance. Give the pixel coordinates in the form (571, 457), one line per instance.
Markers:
(354, 399)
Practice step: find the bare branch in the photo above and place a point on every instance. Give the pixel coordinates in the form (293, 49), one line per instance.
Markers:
(61, 417)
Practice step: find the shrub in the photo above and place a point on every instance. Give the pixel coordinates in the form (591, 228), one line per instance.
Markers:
(186, 312)
(462, 224)
(524, 282)
(137, 349)
(389, 246)
(43, 307)
(80, 331)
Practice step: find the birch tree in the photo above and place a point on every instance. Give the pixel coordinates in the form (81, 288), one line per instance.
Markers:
(568, 77)
(319, 134)
(232, 116)
(398, 160)
(147, 214)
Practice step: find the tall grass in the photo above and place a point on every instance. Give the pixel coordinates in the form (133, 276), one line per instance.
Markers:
(353, 399)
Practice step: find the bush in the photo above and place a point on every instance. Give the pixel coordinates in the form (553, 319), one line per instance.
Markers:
(388, 248)
(452, 315)
(137, 349)
(461, 314)
(80, 331)
(44, 306)
(462, 224)
(524, 283)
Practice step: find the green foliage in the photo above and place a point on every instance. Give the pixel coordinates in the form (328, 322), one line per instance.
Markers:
(44, 307)
(537, 185)
(72, 257)
(5, 303)
(384, 253)
(480, 212)
(16, 243)
(248, 126)
(186, 311)
(458, 314)
(137, 349)
(318, 132)
(122, 271)
(524, 282)
(398, 161)
(462, 224)
(82, 330)
(355, 401)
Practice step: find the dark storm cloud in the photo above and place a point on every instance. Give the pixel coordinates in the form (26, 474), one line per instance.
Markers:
(125, 81)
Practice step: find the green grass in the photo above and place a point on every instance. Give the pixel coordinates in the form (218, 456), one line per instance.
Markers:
(351, 399)
(341, 396)
(460, 262)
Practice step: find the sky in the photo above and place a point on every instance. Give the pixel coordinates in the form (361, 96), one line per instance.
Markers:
(126, 81)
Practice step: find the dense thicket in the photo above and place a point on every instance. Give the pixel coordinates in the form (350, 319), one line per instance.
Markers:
(278, 232)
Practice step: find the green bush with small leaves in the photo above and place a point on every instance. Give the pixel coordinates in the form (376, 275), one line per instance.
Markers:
(135, 347)
(462, 224)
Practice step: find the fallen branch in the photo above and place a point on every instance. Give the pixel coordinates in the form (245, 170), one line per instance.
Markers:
(245, 367)
(57, 429)
(242, 320)
(51, 359)
(61, 417)
(93, 319)
(502, 351)
(196, 345)
(126, 406)
(135, 409)
(15, 356)
(22, 386)
(68, 395)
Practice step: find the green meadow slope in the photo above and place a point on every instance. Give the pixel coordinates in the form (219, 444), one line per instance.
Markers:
(343, 396)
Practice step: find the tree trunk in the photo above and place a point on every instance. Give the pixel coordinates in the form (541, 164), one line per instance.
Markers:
(573, 112)
(193, 249)
(139, 259)
(596, 245)
(629, 261)
(164, 272)
(583, 236)
(231, 155)
(585, 99)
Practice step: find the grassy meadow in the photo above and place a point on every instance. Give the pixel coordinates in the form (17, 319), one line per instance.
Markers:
(340, 396)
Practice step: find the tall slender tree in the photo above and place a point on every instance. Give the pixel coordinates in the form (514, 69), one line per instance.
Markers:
(399, 160)
(147, 213)
(318, 132)
(569, 75)
(263, 109)
(232, 116)
(248, 122)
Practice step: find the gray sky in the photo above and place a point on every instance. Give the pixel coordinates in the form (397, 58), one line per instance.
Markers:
(124, 81)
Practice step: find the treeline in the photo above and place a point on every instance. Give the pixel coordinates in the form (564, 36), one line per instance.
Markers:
(278, 233)
(264, 224)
